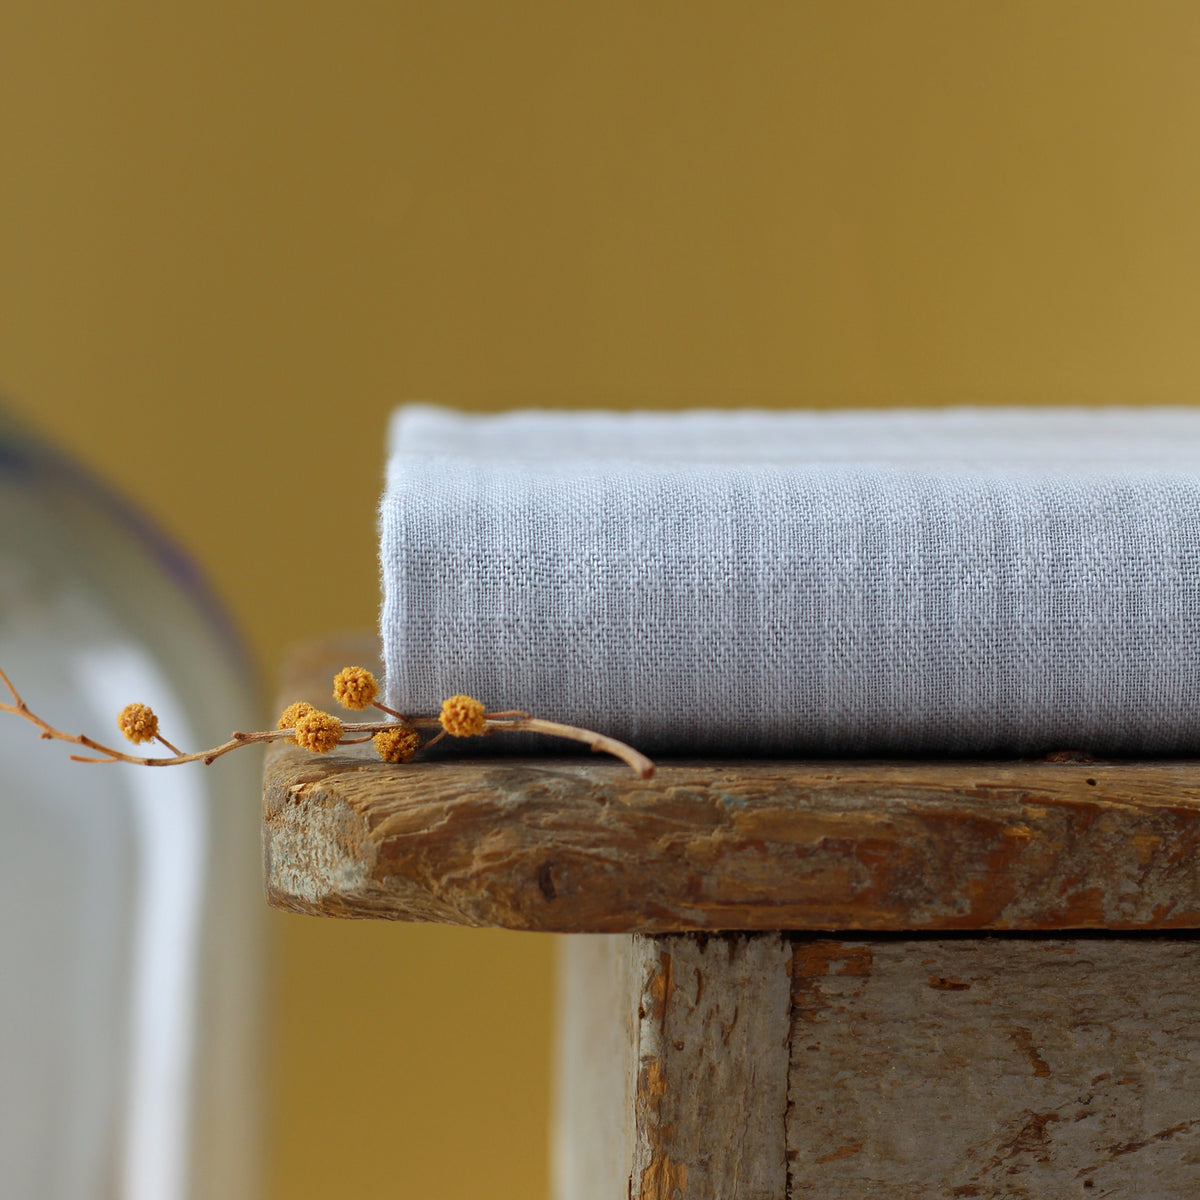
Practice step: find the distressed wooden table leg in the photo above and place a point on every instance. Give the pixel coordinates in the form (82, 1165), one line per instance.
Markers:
(698, 1072)
(911, 1067)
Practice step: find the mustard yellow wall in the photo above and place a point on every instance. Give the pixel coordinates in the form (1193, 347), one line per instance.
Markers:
(233, 235)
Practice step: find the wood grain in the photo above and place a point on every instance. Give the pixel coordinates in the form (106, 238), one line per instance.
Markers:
(922, 1067)
(580, 845)
(994, 1067)
(673, 1067)
(712, 1066)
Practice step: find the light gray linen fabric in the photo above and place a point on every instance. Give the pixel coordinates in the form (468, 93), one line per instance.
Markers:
(954, 581)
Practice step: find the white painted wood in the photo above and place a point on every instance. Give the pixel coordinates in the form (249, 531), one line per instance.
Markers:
(592, 1140)
(672, 1067)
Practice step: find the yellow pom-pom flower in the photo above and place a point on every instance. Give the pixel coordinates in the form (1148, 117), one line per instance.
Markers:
(397, 745)
(138, 722)
(355, 687)
(463, 716)
(318, 731)
(292, 714)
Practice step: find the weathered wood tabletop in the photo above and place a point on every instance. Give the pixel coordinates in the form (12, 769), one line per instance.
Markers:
(578, 844)
(718, 1045)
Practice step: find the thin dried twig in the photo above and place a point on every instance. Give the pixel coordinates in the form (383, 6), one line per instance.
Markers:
(598, 741)
(512, 721)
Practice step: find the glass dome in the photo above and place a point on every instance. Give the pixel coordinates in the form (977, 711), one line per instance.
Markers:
(130, 899)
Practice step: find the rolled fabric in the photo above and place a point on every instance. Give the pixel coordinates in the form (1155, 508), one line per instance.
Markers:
(935, 582)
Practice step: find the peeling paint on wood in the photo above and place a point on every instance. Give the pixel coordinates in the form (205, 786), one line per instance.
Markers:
(917, 1068)
(712, 1032)
(1052, 1068)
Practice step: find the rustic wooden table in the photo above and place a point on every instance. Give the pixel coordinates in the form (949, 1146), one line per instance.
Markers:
(892, 979)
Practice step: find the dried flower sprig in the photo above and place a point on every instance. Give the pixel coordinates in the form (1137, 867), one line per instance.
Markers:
(396, 740)
(139, 724)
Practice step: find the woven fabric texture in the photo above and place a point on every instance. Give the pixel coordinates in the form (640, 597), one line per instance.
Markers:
(956, 581)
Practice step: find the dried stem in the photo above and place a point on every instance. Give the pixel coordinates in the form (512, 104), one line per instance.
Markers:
(499, 722)
(641, 765)
(48, 732)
